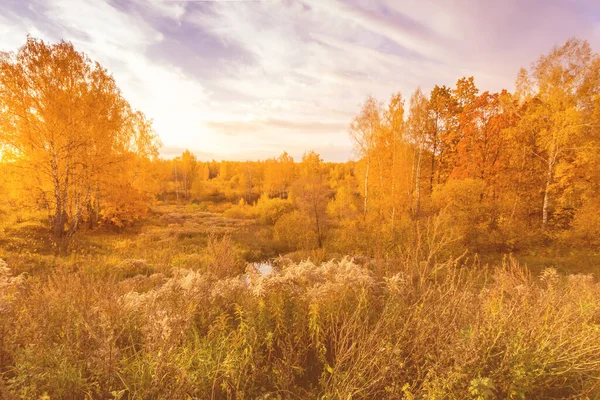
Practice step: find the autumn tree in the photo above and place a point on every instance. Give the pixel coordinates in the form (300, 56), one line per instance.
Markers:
(441, 110)
(64, 122)
(273, 180)
(123, 192)
(394, 147)
(363, 132)
(189, 171)
(279, 175)
(564, 84)
(418, 126)
(481, 145)
(311, 194)
(464, 93)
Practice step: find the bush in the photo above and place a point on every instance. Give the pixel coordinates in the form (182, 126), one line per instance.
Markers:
(130, 267)
(294, 231)
(222, 257)
(240, 211)
(467, 214)
(585, 229)
(270, 210)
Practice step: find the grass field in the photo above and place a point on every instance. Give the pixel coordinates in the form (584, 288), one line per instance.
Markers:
(173, 308)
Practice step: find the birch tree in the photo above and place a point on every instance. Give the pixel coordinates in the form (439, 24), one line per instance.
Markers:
(561, 100)
(363, 132)
(64, 122)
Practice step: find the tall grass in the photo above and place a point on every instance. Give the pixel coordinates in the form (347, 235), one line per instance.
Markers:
(335, 330)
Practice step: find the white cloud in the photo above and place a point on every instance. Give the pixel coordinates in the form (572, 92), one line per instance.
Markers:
(310, 63)
(119, 42)
(172, 9)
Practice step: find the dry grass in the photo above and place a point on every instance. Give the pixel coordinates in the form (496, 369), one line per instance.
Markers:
(335, 330)
(167, 312)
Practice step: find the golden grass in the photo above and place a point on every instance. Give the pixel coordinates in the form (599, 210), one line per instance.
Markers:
(335, 330)
(167, 312)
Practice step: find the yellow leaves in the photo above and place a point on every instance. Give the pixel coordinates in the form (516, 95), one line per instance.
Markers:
(72, 134)
(117, 222)
(364, 127)
(343, 205)
(279, 173)
(270, 210)
(295, 232)
(586, 224)
(465, 91)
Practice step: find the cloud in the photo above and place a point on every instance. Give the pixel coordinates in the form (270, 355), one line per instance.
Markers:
(237, 80)
(395, 26)
(278, 126)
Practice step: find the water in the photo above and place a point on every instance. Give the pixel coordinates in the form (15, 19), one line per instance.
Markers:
(264, 268)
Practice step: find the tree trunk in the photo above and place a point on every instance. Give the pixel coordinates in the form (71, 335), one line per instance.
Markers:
(418, 183)
(432, 169)
(318, 226)
(433, 151)
(58, 219)
(394, 186)
(176, 184)
(547, 193)
(366, 187)
(58, 225)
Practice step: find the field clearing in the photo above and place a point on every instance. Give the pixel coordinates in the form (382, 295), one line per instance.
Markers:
(172, 236)
(170, 309)
(177, 235)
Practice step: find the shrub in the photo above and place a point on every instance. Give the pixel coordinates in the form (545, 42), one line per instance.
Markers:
(294, 231)
(586, 225)
(270, 210)
(130, 267)
(240, 211)
(222, 257)
(467, 214)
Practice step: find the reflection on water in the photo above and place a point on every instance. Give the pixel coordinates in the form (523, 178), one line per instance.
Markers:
(264, 268)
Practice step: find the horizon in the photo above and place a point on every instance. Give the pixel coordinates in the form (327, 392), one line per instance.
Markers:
(245, 81)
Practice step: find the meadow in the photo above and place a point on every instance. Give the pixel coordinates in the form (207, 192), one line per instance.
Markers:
(175, 307)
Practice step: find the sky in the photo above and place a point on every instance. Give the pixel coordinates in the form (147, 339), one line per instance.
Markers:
(247, 80)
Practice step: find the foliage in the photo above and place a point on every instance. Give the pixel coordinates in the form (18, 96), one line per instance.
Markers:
(270, 210)
(69, 134)
(294, 231)
(586, 226)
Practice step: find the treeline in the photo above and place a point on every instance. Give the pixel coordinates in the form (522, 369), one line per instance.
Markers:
(186, 178)
(501, 171)
(504, 170)
(504, 166)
